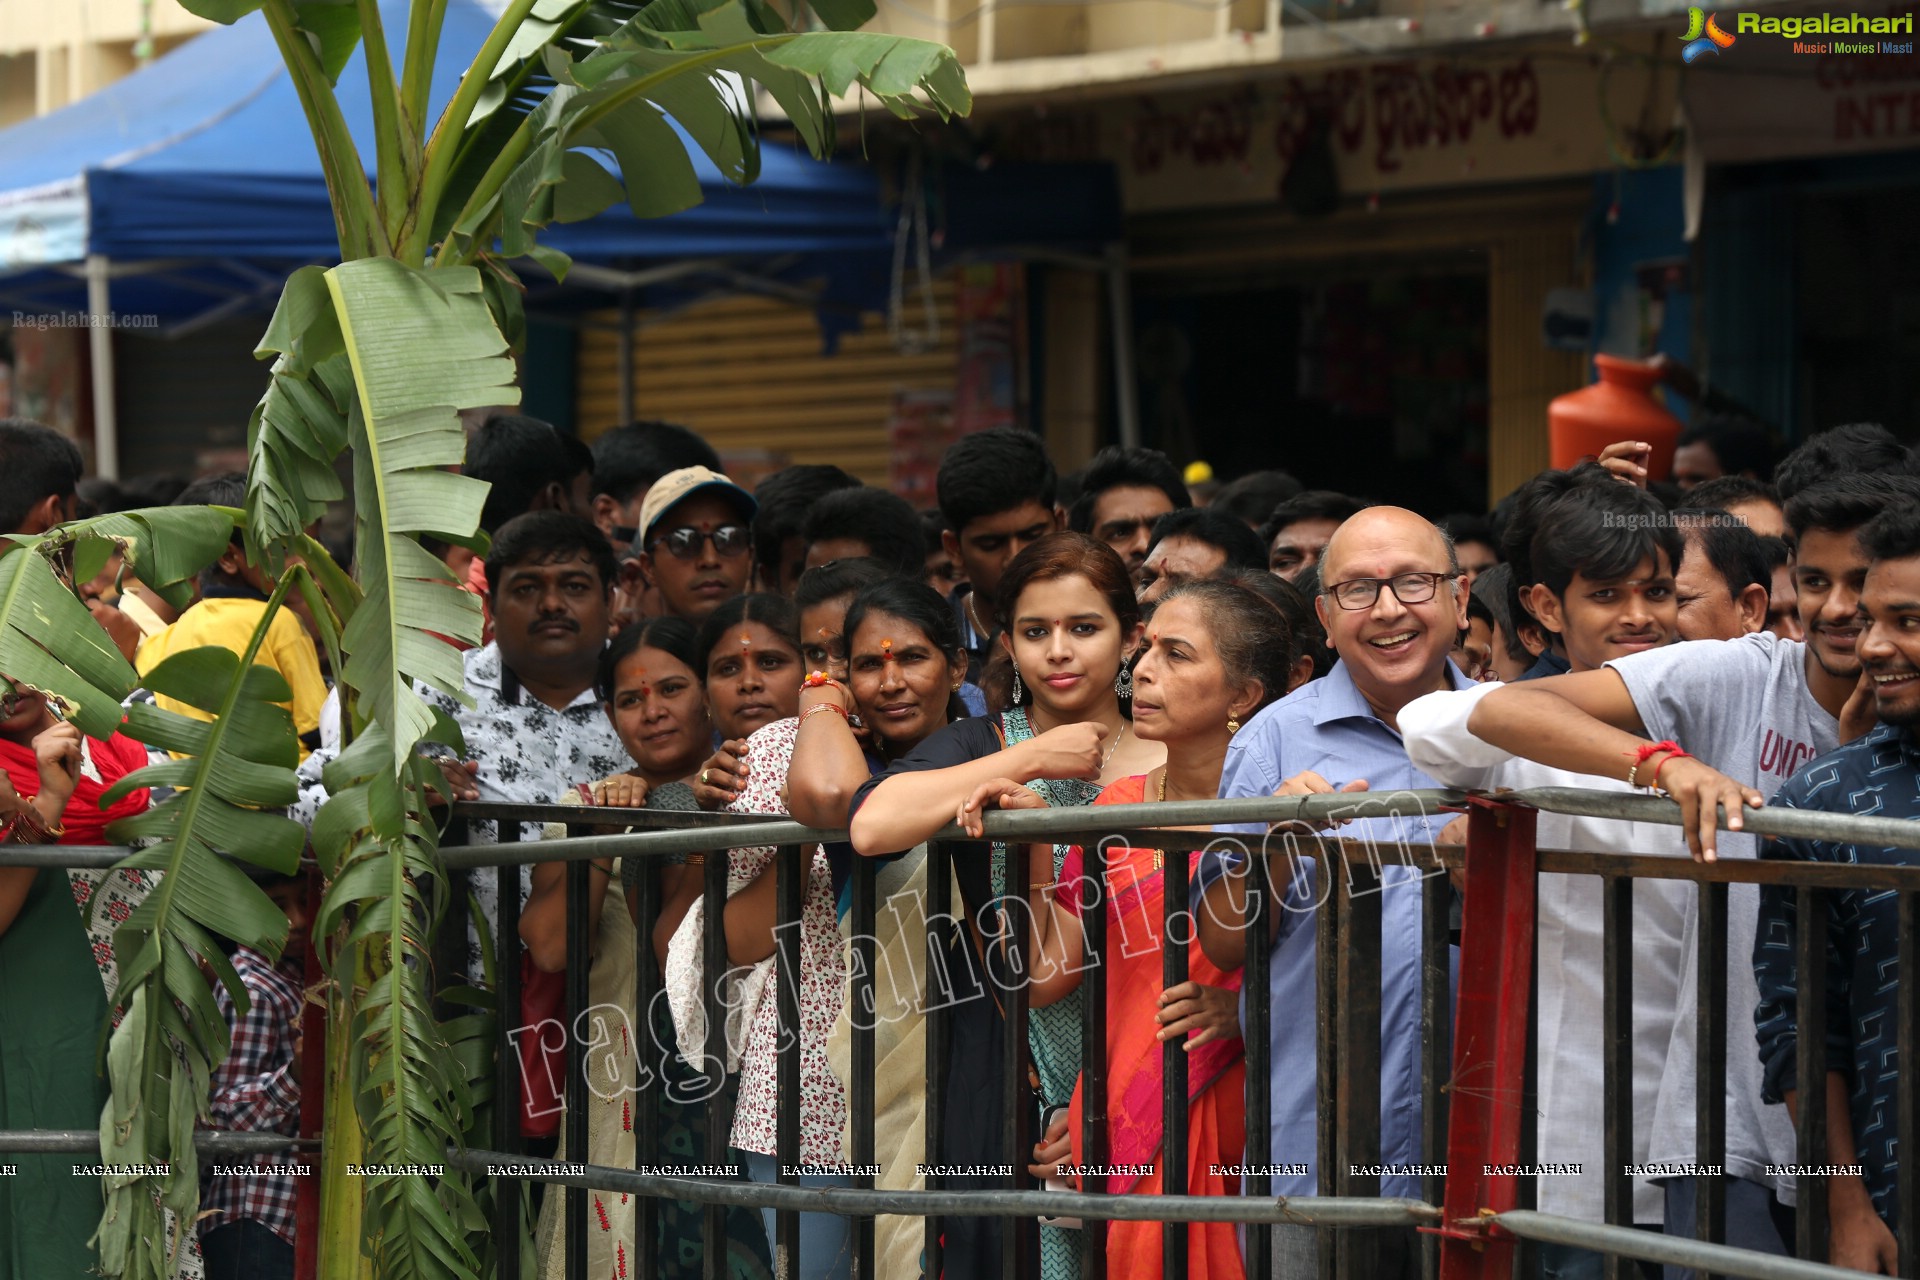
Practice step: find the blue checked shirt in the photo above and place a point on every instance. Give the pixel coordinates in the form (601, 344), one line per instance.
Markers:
(1327, 726)
(1878, 775)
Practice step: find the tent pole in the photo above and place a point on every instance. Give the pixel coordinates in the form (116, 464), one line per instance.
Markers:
(626, 358)
(106, 431)
(1126, 393)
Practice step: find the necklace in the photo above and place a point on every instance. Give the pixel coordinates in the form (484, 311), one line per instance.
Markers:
(973, 616)
(1104, 760)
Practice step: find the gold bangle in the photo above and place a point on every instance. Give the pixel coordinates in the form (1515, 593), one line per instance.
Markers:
(697, 859)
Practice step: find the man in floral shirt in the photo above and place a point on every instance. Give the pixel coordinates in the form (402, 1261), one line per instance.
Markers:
(536, 726)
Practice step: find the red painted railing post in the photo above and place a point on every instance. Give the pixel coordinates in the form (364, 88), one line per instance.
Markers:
(1489, 1040)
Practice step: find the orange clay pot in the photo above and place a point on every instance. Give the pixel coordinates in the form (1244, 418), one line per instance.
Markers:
(1620, 406)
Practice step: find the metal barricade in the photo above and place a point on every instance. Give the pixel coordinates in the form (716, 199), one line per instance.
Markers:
(1476, 1066)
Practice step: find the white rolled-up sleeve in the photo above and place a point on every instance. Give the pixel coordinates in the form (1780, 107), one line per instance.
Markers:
(1439, 743)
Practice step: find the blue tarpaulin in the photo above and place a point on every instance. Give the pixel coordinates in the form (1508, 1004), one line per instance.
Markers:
(202, 162)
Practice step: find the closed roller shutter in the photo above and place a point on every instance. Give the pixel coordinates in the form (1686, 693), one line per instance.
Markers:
(749, 374)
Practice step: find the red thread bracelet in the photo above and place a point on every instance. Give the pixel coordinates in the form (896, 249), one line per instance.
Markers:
(1675, 754)
(1647, 751)
(834, 707)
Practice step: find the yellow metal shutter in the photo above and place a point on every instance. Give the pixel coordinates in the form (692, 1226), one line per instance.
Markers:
(748, 373)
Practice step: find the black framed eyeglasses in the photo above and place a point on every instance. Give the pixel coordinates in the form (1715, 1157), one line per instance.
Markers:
(684, 543)
(1407, 588)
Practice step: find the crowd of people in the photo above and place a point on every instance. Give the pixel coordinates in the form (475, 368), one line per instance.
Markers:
(660, 637)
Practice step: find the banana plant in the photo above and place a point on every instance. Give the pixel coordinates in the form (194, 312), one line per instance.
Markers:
(378, 356)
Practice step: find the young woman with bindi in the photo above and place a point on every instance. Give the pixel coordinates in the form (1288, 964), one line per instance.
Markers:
(752, 672)
(650, 685)
(1215, 654)
(1067, 616)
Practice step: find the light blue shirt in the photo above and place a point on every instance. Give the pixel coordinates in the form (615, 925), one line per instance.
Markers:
(1327, 726)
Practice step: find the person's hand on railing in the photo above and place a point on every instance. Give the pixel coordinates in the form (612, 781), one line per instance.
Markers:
(621, 791)
(1627, 461)
(1065, 751)
(1053, 1150)
(719, 781)
(462, 780)
(1859, 715)
(996, 793)
(1701, 792)
(1211, 1012)
(1455, 832)
(1309, 783)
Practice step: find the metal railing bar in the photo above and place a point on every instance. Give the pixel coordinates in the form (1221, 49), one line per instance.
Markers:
(1327, 997)
(713, 963)
(509, 1194)
(580, 931)
(1436, 1047)
(860, 1099)
(1810, 967)
(1907, 1046)
(939, 909)
(1710, 1065)
(206, 1142)
(1174, 930)
(1616, 1058)
(1019, 1238)
(651, 1062)
(791, 871)
(1650, 1246)
(1360, 967)
(1256, 982)
(1093, 1039)
(1328, 1211)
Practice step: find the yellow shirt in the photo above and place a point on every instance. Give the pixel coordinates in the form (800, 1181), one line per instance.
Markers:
(229, 622)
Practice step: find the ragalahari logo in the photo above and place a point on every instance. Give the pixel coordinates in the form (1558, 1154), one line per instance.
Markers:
(1703, 34)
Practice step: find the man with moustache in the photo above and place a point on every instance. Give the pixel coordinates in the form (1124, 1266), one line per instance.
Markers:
(535, 726)
(1878, 774)
(1392, 604)
(1750, 712)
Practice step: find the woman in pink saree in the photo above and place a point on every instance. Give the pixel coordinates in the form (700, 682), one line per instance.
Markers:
(1215, 654)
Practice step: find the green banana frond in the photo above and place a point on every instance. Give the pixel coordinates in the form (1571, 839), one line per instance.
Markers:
(411, 1074)
(299, 427)
(678, 73)
(423, 346)
(162, 1055)
(49, 642)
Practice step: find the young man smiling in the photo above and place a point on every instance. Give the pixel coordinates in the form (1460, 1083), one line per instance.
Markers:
(1604, 556)
(1751, 712)
(1878, 774)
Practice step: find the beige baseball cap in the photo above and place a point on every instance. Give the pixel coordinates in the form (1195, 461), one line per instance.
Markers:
(684, 483)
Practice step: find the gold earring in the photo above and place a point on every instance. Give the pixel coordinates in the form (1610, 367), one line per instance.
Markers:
(1233, 726)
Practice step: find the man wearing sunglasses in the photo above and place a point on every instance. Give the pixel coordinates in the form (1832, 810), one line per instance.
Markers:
(696, 551)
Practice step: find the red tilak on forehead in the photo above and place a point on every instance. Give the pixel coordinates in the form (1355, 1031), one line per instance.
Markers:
(886, 651)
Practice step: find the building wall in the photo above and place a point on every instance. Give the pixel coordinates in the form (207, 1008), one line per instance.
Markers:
(53, 52)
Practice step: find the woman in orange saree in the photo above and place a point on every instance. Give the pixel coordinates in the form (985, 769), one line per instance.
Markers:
(1215, 654)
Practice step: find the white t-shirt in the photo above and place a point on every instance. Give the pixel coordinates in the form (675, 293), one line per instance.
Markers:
(1568, 928)
(1743, 707)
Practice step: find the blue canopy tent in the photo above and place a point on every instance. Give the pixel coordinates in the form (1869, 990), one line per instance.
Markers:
(188, 190)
